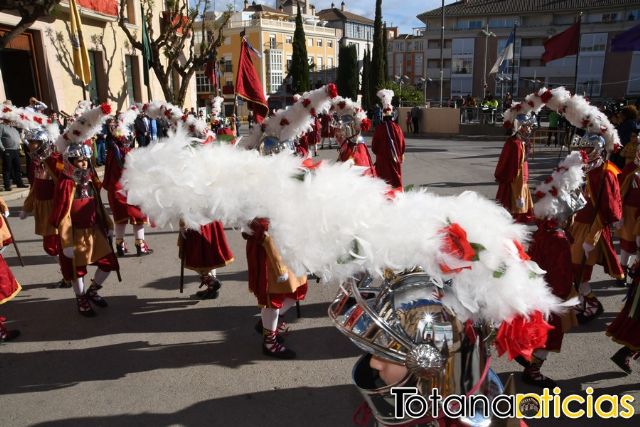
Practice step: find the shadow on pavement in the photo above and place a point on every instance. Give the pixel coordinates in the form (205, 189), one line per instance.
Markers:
(314, 407)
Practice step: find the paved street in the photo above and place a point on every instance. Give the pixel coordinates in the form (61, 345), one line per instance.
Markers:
(156, 357)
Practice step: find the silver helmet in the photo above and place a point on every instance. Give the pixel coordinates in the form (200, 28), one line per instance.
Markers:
(525, 121)
(346, 128)
(403, 321)
(45, 146)
(593, 145)
(270, 145)
(77, 151)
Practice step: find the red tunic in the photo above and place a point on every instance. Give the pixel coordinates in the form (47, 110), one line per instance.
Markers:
(625, 328)
(359, 153)
(587, 225)
(630, 194)
(314, 133)
(551, 250)
(388, 160)
(257, 265)
(114, 166)
(302, 147)
(207, 249)
(326, 130)
(508, 168)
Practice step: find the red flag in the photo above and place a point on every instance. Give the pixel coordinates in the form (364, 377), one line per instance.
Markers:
(211, 72)
(248, 84)
(564, 44)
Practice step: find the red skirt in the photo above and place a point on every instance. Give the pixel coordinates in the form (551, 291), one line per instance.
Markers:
(124, 212)
(9, 286)
(625, 329)
(207, 249)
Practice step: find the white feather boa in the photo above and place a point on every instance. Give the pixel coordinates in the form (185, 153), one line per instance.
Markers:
(28, 120)
(565, 179)
(356, 226)
(575, 108)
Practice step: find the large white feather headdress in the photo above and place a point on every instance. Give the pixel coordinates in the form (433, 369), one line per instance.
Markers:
(575, 108)
(466, 241)
(29, 120)
(84, 127)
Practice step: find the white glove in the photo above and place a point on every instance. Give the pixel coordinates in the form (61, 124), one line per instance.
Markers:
(520, 203)
(6, 213)
(68, 252)
(23, 215)
(618, 224)
(587, 248)
(283, 278)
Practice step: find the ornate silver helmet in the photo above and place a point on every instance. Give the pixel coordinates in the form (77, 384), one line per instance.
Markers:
(524, 123)
(44, 144)
(570, 203)
(77, 151)
(270, 145)
(403, 321)
(593, 145)
(346, 128)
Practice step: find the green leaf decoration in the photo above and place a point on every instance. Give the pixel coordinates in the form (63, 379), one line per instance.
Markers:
(477, 248)
(500, 271)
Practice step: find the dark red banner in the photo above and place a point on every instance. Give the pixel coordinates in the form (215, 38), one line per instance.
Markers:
(107, 7)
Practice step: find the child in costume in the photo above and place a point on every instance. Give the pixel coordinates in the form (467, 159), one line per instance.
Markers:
(9, 286)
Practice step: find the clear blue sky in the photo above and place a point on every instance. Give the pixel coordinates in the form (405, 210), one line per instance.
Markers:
(403, 17)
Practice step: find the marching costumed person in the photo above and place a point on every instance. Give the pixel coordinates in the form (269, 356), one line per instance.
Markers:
(388, 144)
(352, 120)
(629, 228)
(119, 143)
(557, 199)
(78, 214)
(9, 286)
(625, 328)
(591, 229)
(327, 130)
(512, 172)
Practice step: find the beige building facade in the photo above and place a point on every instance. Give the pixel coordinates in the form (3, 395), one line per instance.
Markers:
(40, 62)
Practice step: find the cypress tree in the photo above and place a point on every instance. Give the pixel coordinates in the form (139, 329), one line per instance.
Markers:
(385, 40)
(347, 79)
(366, 67)
(377, 71)
(299, 62)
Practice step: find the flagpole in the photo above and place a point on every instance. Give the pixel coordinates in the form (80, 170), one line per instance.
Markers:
(513, 59)
(578, 52)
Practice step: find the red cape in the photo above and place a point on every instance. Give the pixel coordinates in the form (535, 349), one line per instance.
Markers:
(507, 170)
(388, 168)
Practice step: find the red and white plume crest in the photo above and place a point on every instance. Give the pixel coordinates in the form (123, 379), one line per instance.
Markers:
(176, 118)
(386, 96)
(358, 228)
(575, 108)
(84, 127)
(343, 106)
(216, 106)
(293, 122)
(28, 120)
(125, 122)
(563, 181)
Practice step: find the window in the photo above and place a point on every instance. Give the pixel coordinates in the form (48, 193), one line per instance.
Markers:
(319, 43)
(130, 12)
(330, 62)
(461, 86)
(594, 42)
(275, 73)
(329, 43)
(288, 62)
(435, 63)
(203, 85)
(319, 63)
(462, 65)
(502, 22)
(435, 44)
(418, 46)
(97, 73)
(634, 15)
(310, 42)
(288, 40)
(609, 17)
(409, 47)
(417, 66)
(462, 46)
(272, 41)
(398, 64)
(226, 66)
(133, 78)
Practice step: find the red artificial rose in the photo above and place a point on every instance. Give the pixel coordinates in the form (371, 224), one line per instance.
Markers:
(342, 105)
(540, 195)
(313, 112)
(531, 104)
(548, 179)
(546, 96)
(106, 108)
(365, 124)
(455, 244)
(184, 117)
(332, 90)
(37, 119)
(144, 107)
(517, 107)
(23, 117)
(585, 156)
(310, 164)
(284, 122)
(520, 337)
(6, 109)
(306, 102)
(554, 191)
(521, 252)
(76, 132)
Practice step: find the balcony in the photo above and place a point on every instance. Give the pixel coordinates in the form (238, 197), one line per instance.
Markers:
(532, 51)
(288, 26)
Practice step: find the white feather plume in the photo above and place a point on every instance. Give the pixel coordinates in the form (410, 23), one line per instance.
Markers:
(386, 96)
(347, 106)
(216, 106)
(356, 225)
(82, 107)
(84, 127)
(564, 180)
(125, 121)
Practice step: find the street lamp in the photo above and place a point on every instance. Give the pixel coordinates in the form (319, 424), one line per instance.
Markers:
(401, 80)
(486, 34)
